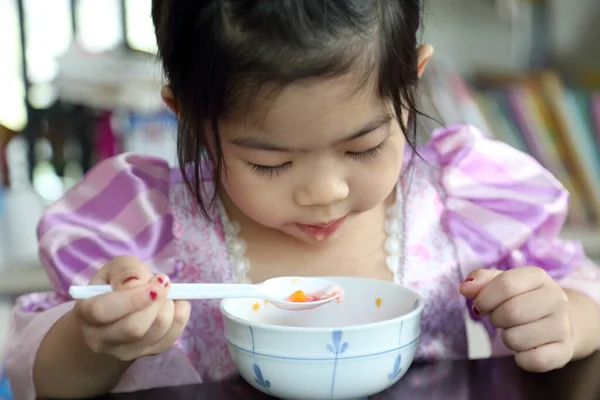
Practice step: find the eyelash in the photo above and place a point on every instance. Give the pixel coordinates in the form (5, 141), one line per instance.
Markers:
(371, 154)
(269, 172)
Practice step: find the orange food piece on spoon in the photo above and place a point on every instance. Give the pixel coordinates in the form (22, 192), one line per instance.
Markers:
(298, 297)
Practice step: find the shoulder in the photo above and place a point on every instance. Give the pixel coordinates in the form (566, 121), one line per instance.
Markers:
(116, 179)
(120, 207)
(501, 208)
(111, 186)
(462, 150)
(472, 166)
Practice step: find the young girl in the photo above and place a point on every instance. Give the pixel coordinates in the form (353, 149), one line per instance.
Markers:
(297, 152)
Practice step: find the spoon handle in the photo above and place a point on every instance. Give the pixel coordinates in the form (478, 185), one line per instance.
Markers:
(182, 291)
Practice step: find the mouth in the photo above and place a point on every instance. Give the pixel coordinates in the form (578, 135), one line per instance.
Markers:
(323, 230)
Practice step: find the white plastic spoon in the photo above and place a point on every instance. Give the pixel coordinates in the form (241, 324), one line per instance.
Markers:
(277, 291)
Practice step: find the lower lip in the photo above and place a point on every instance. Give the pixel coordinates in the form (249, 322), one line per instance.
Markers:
(321, 232)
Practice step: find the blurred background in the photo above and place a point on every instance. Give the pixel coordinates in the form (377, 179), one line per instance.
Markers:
(79, 82)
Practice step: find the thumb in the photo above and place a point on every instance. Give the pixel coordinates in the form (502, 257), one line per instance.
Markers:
(125, 272)
(476, 281)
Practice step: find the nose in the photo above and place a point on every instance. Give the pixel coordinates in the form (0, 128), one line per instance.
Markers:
(324, 190)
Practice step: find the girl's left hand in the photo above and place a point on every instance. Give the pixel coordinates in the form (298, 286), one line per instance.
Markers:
(531, 309)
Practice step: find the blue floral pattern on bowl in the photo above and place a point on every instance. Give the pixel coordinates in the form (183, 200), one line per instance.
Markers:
(336, 347)
(258, 375)
(397, 369)
(260, 380)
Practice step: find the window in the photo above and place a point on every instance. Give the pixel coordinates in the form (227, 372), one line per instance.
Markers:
(140, 30)
(12, 94)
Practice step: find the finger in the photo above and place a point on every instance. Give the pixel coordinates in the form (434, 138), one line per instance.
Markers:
(535, 334)
(110, 307)
(160, 326)
(180, 320)
(546, 358)
(125, 331)
(476, 281)
(508, 285)
(144, 327)
(528, 307)
(127, 272)
(131, 328)
(119, 268)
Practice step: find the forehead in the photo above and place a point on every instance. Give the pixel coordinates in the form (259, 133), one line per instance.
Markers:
(311, 110)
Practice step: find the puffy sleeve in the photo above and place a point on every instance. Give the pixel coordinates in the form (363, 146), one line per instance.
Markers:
(504, 210)
(120, 207)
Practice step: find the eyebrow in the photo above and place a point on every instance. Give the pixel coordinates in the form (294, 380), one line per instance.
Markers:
(257, 143)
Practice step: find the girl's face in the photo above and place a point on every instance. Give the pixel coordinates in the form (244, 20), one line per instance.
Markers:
(312, 158)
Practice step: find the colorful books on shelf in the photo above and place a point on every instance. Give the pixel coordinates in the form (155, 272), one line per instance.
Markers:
(539, 113)
(5, 392)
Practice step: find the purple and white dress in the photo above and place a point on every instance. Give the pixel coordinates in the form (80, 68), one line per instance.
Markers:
(470, 202)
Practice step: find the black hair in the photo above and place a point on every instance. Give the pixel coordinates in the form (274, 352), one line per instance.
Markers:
(215, 53)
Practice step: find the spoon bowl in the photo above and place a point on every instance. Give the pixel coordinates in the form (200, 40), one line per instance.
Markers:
(310, 292)
(319, 291)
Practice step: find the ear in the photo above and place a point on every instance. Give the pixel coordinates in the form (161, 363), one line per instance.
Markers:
(167, 96)
(425, 52)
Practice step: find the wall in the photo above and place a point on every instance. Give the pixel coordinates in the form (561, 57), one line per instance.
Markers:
(577, 34)
(470, 34)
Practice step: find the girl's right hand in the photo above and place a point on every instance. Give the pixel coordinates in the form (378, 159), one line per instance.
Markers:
(135, 320)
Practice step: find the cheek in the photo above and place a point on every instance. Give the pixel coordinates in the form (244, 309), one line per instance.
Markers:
(373, 184)
(254, 196)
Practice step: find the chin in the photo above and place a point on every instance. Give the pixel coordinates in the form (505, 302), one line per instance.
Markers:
(311, 241)
(294, 232)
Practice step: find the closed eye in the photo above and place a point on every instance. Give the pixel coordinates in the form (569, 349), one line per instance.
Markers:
(269, 171)
(369, 154)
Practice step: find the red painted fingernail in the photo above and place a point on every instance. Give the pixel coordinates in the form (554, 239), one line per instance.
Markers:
(476, 311)
(163, 281)
(153, 294)
(468, 280)
(131, 278)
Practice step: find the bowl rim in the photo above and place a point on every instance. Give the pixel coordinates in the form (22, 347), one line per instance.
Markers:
(316, 329)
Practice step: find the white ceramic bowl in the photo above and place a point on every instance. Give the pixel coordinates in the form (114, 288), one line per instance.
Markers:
(343, 350)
